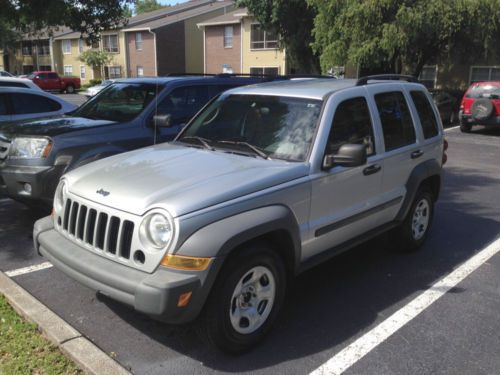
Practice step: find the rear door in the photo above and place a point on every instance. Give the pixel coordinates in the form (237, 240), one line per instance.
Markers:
(53, 82)
(4, 108)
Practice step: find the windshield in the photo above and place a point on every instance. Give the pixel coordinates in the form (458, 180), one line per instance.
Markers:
(120, 102)
(484, 91)
(279, 127)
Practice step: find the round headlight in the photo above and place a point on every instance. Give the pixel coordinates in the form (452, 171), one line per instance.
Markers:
(59, 196)
(156, 231)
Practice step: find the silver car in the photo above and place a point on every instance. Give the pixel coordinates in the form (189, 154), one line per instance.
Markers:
(94, 90)
(264, 183)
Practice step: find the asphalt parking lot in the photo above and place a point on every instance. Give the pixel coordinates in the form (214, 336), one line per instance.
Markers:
(330, 306)
(77, 99)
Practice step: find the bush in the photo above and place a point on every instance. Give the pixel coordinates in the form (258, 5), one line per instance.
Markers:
(94, 82)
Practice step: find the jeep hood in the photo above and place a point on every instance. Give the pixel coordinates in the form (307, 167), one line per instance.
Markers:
(49, 126)
(180, 179)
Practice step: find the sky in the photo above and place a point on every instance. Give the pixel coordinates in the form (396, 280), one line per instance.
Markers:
(171, 2)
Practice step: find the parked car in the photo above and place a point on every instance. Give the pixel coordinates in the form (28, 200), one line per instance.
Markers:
(22, 104)
(480, 106)
(265, 182)
(51, 81)
(18, 82)
(447, 105)
(94, 90)
(121, 118)
(3, 73)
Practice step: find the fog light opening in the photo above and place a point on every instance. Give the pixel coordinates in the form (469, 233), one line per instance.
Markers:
(139, 257)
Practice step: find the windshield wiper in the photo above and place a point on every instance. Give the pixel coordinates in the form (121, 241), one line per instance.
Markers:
(201, 140)
(255, 149)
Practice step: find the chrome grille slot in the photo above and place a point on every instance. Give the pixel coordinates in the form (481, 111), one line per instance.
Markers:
(4, 149)
(98, 229)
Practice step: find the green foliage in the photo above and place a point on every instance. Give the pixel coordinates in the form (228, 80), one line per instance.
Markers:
(401, 35)
(24, 351)
(89, 17)
(144, 6)
(292, 20)
(95, 82)
(95, 58)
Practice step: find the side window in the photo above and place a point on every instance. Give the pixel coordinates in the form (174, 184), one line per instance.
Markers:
(351, 124)
(27, 103)
(182, 103)
(13, 84)
(3, 105)
(52, 75)
(42, 76)
(426, 114)
(395, 117)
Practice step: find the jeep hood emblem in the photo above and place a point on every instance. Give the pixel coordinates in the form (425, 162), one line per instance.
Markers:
(102, 192)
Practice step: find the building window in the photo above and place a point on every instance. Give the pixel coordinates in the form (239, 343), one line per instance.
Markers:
(27, 48)
(138, 41)
(82, 71)
(66, 46)
(80, 45)
(45, 68)
(113, 72)
(260, 39)
(95, 45)
(110, 43)
(228, 37)
(68, 70)
(140, 71)
(43, 49)
(484, 73)
(28, 69)
(428, 76)
(271, 71)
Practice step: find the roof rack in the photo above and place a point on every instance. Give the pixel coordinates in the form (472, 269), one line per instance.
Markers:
(392, 77)
(228, 75)
(189, 74)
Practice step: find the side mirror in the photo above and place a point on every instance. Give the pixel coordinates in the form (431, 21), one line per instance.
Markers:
(349, 155)
(162, 121)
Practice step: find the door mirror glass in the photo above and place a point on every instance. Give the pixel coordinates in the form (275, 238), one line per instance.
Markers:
(162, 121)
(349, 155)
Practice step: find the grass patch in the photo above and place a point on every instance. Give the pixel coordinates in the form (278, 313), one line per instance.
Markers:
(24, 351)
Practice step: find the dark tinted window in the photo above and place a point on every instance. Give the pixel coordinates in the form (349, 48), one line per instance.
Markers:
(42, 76)
(426, 114)
(395, 117)
(351, 124)
(484, 91)
(183, 103)
(3, 106)
(28, 103)
(13, 84)
(53, 76)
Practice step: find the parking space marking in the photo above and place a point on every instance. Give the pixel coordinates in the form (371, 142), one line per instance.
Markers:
(453, 127)
(29, 269)
(351, 354)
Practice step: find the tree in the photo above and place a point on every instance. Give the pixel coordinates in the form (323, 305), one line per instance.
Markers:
(401, 35)
(293, 21)
(95, 59)
(144, 6)
(89, 17)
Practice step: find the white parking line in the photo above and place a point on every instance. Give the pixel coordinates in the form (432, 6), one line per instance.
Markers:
(453, 127)
(370, 340)
(30, 269)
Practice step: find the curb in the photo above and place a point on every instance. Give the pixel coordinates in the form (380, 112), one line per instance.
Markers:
(82, 351)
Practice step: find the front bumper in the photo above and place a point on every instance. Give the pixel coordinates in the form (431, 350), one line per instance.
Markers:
(43, 181)
(468, 119)
(155, 294)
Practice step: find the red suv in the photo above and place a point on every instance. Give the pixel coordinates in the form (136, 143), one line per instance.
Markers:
(480, 105)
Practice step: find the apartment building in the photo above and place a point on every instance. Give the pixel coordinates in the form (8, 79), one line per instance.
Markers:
(236, 43)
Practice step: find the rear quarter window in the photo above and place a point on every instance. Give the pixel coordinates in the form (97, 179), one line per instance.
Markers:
(13, 84)
(426, 114)
(28, 103)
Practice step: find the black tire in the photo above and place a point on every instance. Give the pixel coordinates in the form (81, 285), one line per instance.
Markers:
(407, 241)
(214, 324)
(482, 109)
(465, 128)
(70, 89)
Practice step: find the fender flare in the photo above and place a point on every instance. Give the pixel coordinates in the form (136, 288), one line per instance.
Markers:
(421, 172)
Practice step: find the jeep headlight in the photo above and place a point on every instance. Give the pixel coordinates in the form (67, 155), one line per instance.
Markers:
(30, 148)
(59, 196)
(157, 230)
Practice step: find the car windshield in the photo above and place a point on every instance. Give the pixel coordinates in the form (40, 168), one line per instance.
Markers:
(120, 102)
(484, 91)
(264, 126)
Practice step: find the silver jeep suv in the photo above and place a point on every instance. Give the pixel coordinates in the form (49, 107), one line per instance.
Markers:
(263, 183)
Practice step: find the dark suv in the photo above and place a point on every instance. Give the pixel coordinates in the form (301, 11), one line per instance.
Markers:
(126, 115)
(480, 106)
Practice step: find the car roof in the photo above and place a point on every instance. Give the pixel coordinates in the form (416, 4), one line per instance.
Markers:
(188, 78)
(486, 83)
(15, 79)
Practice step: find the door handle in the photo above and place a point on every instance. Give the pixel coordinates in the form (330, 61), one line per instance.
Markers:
(416, 154)
(371, 169)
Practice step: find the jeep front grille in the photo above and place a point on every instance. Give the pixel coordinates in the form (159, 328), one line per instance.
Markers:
(4, 148)
(100, 230)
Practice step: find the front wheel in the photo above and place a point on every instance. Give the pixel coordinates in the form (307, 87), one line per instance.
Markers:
(245, 300)
(465, 128)
(415, 228)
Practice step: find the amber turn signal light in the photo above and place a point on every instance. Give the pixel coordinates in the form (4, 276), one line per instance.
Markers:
(184, 299)
(186, 263)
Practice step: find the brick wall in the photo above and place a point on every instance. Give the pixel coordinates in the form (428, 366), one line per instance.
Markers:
(170, 49)
(216, 55)
(144, 57)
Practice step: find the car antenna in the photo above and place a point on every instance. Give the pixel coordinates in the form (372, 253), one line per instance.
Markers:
(156, 114)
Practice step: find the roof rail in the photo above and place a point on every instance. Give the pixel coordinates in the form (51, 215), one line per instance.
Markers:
(189, 74)
(393, 77)
(271, 76)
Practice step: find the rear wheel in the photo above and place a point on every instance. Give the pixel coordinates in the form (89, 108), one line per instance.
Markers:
(245, 300)
(70, 89)
(465, 128)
